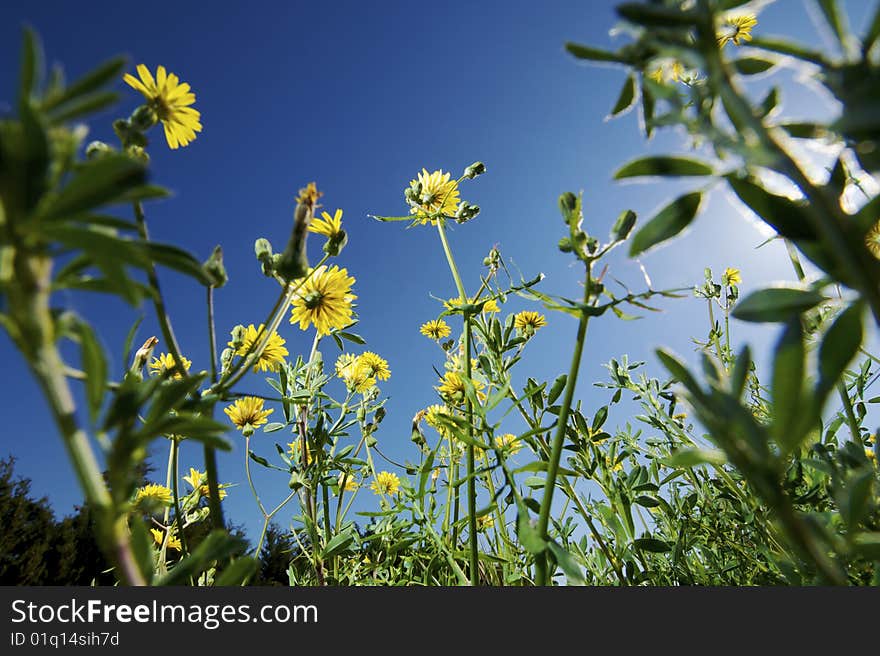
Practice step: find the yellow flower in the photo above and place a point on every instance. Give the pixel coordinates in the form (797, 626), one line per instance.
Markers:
(657, 75)
(528, 322)
(271, 357)
(872, 439)
(736, 29)
(159, 538)
(247, 413)
(731, 276)
(439, 196)
(432, 418)
(436, 329)
(668, 71)
(309, 195)
(491, 306)
(385, 483)
(350, 484)
(153, 494)
(872, 240)
(356, 376)
(293, 452)
(165, 363)
(870, 454)
(609, 464)
(324, 300)
(508, 442)
(195, 480)
(329, 226)
(485, 522)
(376, 365)
(171, 101)
(452, 386)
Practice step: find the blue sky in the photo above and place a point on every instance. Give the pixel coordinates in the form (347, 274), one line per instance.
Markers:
(359, 97)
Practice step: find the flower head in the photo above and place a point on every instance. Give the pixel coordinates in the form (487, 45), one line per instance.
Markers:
(385, 483)
(346, 482)
(485, 522)
(293, 450)
(153, 494)
(668, 71)
(528, 322)
(324, 299)
(273, 354)
(247, 413)
(452, 387)
(329, 226)
(491, 306)
(165, 363)
(436, 329)
(376, 365)
(433, 414)
(159, 538)
(872, 240)
(731, 276)
(198, 481)
(171, 101)
(354, 373)
(736, 29)
(509, 442)
(438, 195)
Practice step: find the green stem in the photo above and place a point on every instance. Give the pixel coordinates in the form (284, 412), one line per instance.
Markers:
(212, 335)
(472, 482)
(559, 437)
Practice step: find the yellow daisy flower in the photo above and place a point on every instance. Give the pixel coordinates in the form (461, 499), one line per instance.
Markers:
(385, 483)
(508, 442)
(485, 522)
(614, 467)
(247, 413)
(153, 494)
(165, 363)
(491, 306)
(528, 322)
(736, 29)
(731, 276)
(354, 373)
(324, 300)
(327, 225)
(436, 329)
(668, 72)
(376, 365)
(171, 101)
(872, 240)
(293, 452)
(198, 481)
(432, 414)
(452, 387)
(159, 538)
(439, 196)
(271, 357)
(350, 484)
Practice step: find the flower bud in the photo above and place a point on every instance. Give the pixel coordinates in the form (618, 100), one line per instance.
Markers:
(475, 169)
(466, 212)
(294, 262)
(568, 205)
(238, 334)
(138, 153)
(143, 118)
(214, 268)
(97, 149)
(336, 243)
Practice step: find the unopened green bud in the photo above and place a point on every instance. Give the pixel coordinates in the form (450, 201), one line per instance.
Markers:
(475, 169)
(263, 251)
(138, 153)
(238, 334)
(466, 212)
(143, 118)
(97, 149)
(379, 415)
(568, 204)
(214, 268)
(565, 245)
(226, 358)
(623, 226)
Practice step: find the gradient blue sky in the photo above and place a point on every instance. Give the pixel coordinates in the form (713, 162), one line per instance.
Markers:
(359, 97)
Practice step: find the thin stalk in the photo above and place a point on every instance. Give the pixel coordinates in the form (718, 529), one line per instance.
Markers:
(212, 335)
(559, 438)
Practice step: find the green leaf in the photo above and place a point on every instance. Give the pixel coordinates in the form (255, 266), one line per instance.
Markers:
(593, 54)
(678, 369)
(785, 47)
(836, 19)
(556, 389)
(858, 497)
(687, 458)
(142, 545)
(662, 165)
(839, 346)
(787, 217)
(217, 546)
(31, 65)
(237, 573)
(789, 361)
(655, 15)
(177, 259)
(669, 222)
(98, 182)
(652, 544)
(567, 564)
(391, 218)
(260, 460)
(351, 337)
(338, 543)
(528, 534)
(88, 104)
(92, 81)
(752, 65)
(776, 304)
(867, 545)
(627, 96)
(873, 31)
(94, 364)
